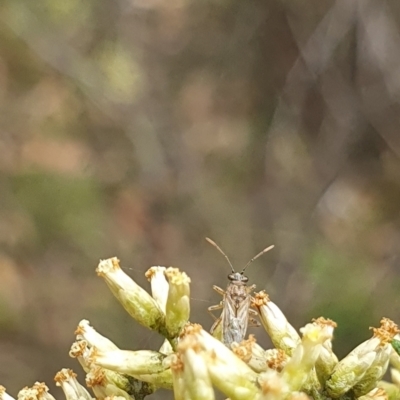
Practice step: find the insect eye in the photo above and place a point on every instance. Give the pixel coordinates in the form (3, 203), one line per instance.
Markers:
(231, 277)
(245, 278)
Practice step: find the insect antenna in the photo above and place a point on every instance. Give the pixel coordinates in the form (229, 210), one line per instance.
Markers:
(256, 256)
(220, 250)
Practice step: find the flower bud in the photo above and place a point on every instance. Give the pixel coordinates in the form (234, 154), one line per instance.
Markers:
(130, 362)
(352, 368)
(99, 381)
(144, 365)
(196, 378)
(159, 286)
(327, 359)
(299, 368)
(375, 373)
(139, 304)
(282, 334)
(179, 384)
(363, 367)
(227, 372)
(178, 301)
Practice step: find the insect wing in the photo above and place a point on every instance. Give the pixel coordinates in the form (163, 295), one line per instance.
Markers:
(234, 320)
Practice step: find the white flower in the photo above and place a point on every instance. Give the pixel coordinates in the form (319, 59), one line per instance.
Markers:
(301, 365)
(72, 389)
(363, 367)
(93, 338)
(139, 304)
(4, 395)
(39, 391)
(80, 351)
(159, 285)
(102, 386)
(273, 386)
(178, 302)
(257, 358)
(196, 378)
(227, 372)
(282, 334)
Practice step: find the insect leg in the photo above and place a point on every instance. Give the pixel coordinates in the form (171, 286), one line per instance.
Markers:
(210, 309)
(219, 290)
(254, 323)
(250, 288)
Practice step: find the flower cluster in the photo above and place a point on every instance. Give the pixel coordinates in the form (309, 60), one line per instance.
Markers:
(191, 362)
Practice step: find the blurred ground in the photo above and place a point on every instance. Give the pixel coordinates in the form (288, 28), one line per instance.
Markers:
(136, 128)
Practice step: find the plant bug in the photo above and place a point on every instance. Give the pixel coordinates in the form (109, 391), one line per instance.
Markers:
(235, 305)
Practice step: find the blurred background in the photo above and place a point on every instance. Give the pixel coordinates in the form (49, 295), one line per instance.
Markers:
(136, 128)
